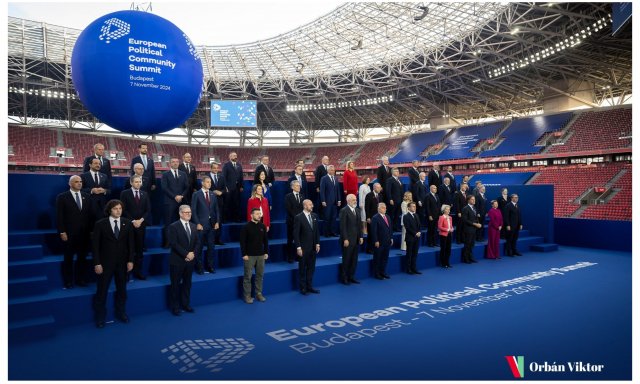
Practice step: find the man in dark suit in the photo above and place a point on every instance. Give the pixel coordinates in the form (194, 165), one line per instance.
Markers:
(503, 200)
(393, 192)
(218, 188)
(350, 239)
(113, 249)
(174, 187)
(137, 208)
(73, 214)
(306, 237)
(471, 224)
(205, 214)
(320, 172)
(233, 177)
(419, 192)
(371, 202)
(183, 241)
(382, 237)
(433, 213)
(331, 199)
(138, 170)
(268, 172)
(414, 174)
(481, 209)
(411, 223)
(459, 202)
(105, 164)
(513, 224)
(445, 192)
(298, 174)
(147, 162)
(434, 176)
(449, 175)
(97, 186)
(192, 176)
(293, 205)
(383, 173)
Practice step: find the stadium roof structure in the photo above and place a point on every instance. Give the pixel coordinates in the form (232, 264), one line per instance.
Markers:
(364, 66)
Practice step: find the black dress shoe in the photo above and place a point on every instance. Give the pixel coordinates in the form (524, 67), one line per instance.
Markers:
(379, 277)
(100, 324)
(354, 281)
(345, 281)
(410, 273)
(313, 290)
(517, 253)
(200, 271)
(123, 317)
(140, 276)
(304, 292)
(175, 312)
(210, 270)
(415, 271)
(386, 276)
(188, 309)
(68, 286)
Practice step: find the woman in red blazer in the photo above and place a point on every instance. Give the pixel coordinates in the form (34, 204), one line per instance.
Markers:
(445, 229)
(350, 180)
(257, 200)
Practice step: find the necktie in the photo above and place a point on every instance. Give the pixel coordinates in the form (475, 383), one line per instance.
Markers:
(188, 168)
(186, 227)
(100, 158)
(78, 201)
(144, 161)
(137, 198)
(215, 178)
(116, 230)
(175, 173)
(234, 164)
(206, 197)
(385, 220)
(298, 198)
(95, 179)
(331, 177)
(310, 222)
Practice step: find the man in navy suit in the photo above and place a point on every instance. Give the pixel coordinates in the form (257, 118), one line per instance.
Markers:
(174, 187)
(420, 192)
(394, 191)
(192, 176)
(205, 214)
(433, 213)
(218, 188)
(321, 171)
(113, 246)
(452, 179)
(330, 198)
(232, 175)
(383, 172)
(137, 208)
(293, 205)
(97, 186)
(414, 174)
(513, 225)
(183, 241)
(306, 237)
(105, 164)
(298, 175)
(445, 192)
(73, 214)
(268, 172)
(381, 236)
(471, 224)
(147, 162)
(434, 176)
(411, 223)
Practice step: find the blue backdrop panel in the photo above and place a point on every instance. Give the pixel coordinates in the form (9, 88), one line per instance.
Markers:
(517, 178)
(410, 148)
(464, 139)
(603, 234)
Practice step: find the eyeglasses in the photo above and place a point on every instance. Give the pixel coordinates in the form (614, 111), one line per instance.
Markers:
(189, 212)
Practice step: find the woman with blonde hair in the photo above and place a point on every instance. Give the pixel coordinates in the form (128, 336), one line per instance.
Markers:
(445, 229)
(350, 180)
(260, 202)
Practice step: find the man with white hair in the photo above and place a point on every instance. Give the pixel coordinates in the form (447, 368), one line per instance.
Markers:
(330, 198)
(384, 171)
(350, 240)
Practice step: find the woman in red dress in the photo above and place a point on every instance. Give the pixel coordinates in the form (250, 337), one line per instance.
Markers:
(350, 180)
(495, 225)
(257, 200)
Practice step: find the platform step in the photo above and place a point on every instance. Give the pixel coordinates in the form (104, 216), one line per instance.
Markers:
(25, 252)
(544, 247)
(28, 286)
(33, 329)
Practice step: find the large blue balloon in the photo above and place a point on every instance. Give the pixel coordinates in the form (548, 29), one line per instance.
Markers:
(137, 72)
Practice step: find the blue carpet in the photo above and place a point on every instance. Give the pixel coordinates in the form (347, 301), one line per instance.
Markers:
(583, 315)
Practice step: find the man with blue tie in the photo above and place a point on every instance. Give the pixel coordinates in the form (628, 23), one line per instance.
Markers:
(330, 198)
(219, 189)
(381, 236)
(137, 208)
(183, 241)
(147, 162)
(105, 164)
(232, 175)
(205, 214)
(306, 237)
(97, 186)
(174, 187)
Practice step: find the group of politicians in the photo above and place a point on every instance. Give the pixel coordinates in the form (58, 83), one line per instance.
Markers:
(195, 208)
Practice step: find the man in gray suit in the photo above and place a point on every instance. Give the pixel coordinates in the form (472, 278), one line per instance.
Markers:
(351, 239)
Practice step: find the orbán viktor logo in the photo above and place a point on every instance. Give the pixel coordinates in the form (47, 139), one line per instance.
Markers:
(516, 363)
(183, 355)
(114, 29)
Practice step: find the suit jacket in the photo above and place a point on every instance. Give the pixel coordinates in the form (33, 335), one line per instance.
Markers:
(452, 179)
(181, 244)
(172, 187)
(108, 250)
(319, 173)
(459, 201)
(192, 176)
(481, 204)
(146, 184)
(304, 236)
(330, 192)
(469, 217)
(105, 168)
(270, 177)
(380, 231)
(395, 190)
(414, 176)
(512, 217)
(149, 171)
(350, 225)
(219, 185)
(303, 184)
(202, 213)
(97, 201)
(232, 176)
(383, 175)
(70, 219)
(292, 206)
(433, 206)
(445, 195)
(411, 226)
(433, 178)
(371, 204)
(134, 211)
(502, 203)
(420, 192)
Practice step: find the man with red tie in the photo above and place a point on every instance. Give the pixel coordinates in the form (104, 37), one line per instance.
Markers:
(381, 236)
